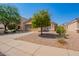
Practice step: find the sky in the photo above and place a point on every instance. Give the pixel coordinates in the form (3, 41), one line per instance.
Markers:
(59, 12)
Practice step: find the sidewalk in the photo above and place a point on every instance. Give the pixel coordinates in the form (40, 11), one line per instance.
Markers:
(11, 47)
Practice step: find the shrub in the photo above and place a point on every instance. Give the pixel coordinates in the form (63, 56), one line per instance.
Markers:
(61, 31)
(62, 34)
(62, 41)
(11, 26)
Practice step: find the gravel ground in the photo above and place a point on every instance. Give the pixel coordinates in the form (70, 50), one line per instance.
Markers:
(50, 39)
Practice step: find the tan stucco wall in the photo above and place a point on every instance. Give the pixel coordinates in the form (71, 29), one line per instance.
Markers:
(72, 27)
(22, 25)
(29, 22)
(53, 27)
(1, 26)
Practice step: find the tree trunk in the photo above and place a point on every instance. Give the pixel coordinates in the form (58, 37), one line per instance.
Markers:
(41, 30)
(5, 28)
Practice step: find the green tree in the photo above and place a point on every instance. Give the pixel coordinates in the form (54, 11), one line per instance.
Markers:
(41, 19)
(8, 15)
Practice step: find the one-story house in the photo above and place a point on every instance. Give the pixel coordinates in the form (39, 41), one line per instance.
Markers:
(26, 25)
(72, 26)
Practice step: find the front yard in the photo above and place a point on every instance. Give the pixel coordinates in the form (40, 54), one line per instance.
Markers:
(51, 39)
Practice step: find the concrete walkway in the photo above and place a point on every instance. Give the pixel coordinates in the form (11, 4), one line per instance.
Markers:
(11, 47)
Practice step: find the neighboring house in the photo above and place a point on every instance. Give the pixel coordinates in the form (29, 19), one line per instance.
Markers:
(72, 26)
(21, 26)
(26, 25)
(52, 27)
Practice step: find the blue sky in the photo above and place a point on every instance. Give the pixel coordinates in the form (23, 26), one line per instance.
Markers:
(59, 12)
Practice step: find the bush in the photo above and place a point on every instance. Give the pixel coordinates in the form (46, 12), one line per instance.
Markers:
(61, 30)
(62, 41)
(11, 26)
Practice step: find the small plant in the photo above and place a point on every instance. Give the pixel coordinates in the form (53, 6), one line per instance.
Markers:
(62, 41)
(61, 31)
(62, 34)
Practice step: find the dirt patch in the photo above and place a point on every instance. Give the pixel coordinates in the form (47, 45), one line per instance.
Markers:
(51, 39)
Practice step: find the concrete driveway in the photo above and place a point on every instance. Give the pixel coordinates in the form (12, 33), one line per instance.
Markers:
(11, 47)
